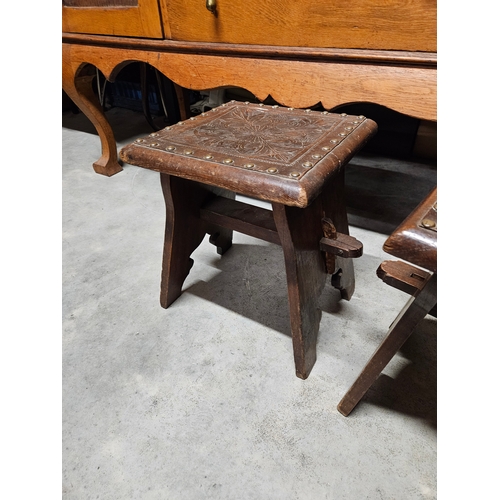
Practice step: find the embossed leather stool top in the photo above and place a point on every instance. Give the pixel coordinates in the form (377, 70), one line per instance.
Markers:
(273, 153)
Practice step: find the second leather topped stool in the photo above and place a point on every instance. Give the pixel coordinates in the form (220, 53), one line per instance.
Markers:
(293, 158)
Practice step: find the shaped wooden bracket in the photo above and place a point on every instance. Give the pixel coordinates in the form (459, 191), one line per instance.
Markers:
(405, 277)
(344, 246)
(337, 244)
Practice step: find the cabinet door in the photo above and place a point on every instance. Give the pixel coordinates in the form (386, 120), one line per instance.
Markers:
(139, 18)
(357, 24)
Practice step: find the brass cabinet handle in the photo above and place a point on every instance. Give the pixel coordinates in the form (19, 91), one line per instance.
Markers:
(211, 6)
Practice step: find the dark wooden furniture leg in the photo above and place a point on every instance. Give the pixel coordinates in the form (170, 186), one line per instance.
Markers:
(183, 98)
(414, 311)
(145, 72)
(184, 231)
(300, 230)
(220, 237)
(334, 208)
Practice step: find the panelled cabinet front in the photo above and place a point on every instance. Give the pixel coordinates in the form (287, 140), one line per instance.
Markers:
(135, 18)
(356, 24)
(408, 25)
(300, 52)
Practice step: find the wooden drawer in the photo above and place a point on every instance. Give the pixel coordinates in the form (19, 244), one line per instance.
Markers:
(138, 18)
(374, 24)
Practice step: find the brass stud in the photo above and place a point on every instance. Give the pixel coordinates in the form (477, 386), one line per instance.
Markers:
(154, 134)
(317, 157)
(188, 152)
(290, 109)
(324, 112)
(140, 140)
(167, 128)
(272, 170)
(308, 110)
(326, 148)
(428, 223)
(355, 122)
(260, 104)
(342, 134)
(170, 148)
(307, 164)
(246, 102)
(275, 106)
(248, 165)
(343, 114)
(208, 157)
(348, 128)
(361, 117)
(193, 118)
(334, 141)
(294, 174)
(154, 145)
(228, 161)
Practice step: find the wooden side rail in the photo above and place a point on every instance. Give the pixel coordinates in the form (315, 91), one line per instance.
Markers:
(241, 217)
(259, 223)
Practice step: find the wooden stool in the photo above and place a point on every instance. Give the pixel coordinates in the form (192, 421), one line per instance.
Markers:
(415, 241)
(292, 158)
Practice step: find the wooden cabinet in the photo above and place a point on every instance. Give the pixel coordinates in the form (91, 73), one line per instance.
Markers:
(353, 24)
(136, 18)
(301, 53)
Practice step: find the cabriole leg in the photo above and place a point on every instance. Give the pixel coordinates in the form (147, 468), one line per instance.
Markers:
(79, 89)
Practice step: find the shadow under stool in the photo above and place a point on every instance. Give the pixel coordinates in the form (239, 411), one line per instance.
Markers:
(415, 241)
(292, 158)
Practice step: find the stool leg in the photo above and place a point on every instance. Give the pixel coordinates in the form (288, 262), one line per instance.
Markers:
(184, 231)
(334, 207)
(300, 231)
(221, 237)
(414, 311)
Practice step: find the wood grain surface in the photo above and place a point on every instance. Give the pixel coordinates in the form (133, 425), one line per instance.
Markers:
(378, 24)
(107, 18)
(409, 89)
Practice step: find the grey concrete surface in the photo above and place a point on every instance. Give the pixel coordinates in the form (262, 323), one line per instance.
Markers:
(200, 401)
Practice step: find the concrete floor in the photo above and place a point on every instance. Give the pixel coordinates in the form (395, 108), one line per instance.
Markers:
(201, 400)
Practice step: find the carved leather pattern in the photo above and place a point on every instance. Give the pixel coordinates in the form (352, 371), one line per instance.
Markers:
(265, 136)
(258, 134)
